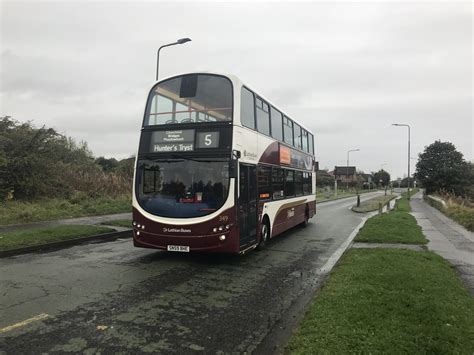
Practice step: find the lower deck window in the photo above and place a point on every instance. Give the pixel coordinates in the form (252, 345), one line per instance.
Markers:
(264, 178)
(307, 184)
(298, 183)
(290, 183)
(278, 183)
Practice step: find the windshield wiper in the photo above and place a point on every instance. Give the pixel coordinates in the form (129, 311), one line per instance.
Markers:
(179, 156)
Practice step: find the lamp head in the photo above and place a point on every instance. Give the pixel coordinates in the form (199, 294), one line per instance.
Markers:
(183, 40)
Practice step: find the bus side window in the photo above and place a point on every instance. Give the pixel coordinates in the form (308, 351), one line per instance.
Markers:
(247, 108)
(297, 135)
(305, 141)
(264, 178)
(278, 182)
(311, 143)
(299, 183)
(276, 123)
(263, 116)
(288, 130)
(289, 183)
(306, 183)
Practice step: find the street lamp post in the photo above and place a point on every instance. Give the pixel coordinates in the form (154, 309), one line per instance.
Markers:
(347, 166)
(408, 126)
(179, 41)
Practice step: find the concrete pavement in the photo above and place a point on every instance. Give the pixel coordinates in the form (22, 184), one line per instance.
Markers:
(446, 238)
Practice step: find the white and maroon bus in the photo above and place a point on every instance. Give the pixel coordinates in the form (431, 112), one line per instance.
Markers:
(219, 168)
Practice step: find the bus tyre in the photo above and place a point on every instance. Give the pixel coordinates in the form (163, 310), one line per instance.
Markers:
(306, 219)
(264, 235)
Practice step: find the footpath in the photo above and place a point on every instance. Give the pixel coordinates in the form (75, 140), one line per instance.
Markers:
(446, 238)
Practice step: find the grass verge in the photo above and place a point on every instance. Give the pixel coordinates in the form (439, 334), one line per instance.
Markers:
(373, 203)
(321, 197)
(126, 223)
(14, 212)
(388, 301)
(30, 237)
(392, 227)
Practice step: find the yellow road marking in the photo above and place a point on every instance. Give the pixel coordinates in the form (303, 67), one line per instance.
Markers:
(24, 322)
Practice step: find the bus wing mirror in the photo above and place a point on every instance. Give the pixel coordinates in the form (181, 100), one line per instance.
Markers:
(236, 154)
(316, 165)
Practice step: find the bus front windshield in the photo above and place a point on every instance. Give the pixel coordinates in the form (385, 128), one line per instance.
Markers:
(182, 188)
(190, 98)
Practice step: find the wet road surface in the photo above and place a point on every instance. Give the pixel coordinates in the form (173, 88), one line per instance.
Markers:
(113, 298)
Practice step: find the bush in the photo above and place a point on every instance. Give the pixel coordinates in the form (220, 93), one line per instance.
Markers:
(457, 208)
(39, 162)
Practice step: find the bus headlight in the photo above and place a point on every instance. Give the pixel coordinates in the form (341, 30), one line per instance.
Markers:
(222, 237)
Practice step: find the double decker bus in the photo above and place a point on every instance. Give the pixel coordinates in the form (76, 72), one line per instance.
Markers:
(219, 168)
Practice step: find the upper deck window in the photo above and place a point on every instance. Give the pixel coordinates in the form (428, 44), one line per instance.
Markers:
(288, 130)
(311, 143)
(276, 120)
(190, 98)
(263, 117)
(305, 141)
(297, 135)
(247, 108)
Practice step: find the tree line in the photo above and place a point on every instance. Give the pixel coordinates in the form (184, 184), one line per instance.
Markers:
(42, 163)
(442, 168)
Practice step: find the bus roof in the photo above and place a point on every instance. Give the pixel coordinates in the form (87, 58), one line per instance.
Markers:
(237, 82)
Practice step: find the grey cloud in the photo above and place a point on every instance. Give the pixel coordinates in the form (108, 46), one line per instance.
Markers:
(345, 70)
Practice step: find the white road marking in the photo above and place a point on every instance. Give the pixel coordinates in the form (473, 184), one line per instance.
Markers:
(24, 322)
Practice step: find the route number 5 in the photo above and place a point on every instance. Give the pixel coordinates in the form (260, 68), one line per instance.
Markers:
(207, 139)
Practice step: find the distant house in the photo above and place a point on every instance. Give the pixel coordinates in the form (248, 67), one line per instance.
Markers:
(366, 179)
(345, 174)
(324, 178)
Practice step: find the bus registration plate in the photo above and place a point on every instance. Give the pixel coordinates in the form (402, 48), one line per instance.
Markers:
(179, 248)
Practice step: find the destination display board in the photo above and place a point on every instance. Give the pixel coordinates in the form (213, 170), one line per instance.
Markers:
(172, 141)
(183, 140)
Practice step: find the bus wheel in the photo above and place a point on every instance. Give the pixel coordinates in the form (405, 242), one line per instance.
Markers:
(306, 219)
(264, 235)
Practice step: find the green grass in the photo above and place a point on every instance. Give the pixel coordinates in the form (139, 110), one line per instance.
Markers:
(373, 203)
(392, 227)
(15, 212)
(389, 301)
(461, 214)
(126, 223)
(30, 237)
(321, 196)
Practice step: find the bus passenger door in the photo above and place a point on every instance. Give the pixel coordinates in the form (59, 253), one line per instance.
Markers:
(247, 205)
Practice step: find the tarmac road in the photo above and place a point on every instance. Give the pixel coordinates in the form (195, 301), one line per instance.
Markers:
(111, 297)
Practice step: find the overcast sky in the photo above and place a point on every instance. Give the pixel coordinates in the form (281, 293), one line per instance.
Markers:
(345, 70)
